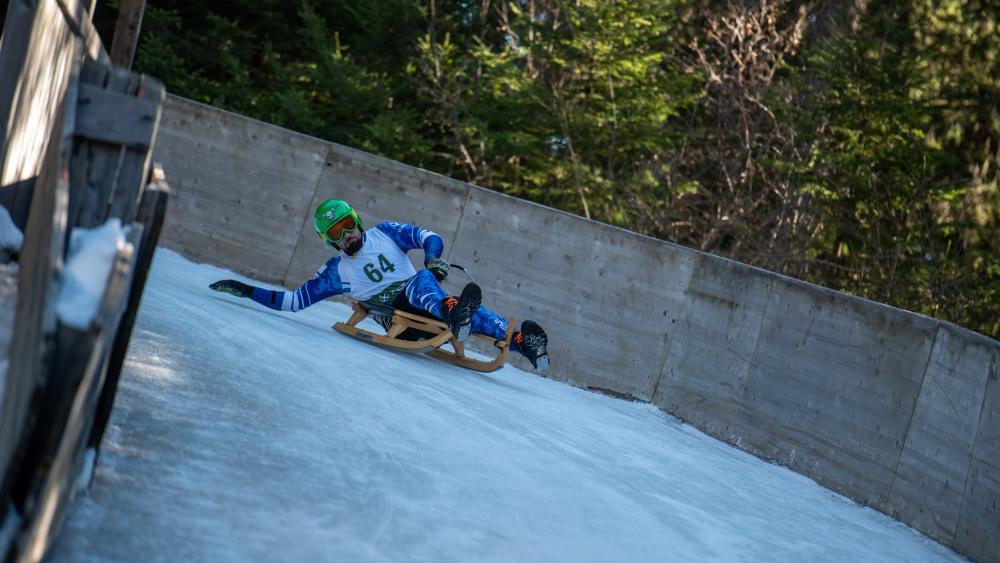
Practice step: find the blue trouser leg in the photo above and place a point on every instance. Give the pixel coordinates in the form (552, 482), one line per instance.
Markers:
(489, 323)
(425, 292)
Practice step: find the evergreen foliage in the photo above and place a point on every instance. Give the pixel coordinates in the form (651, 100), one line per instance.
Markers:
(852, 145)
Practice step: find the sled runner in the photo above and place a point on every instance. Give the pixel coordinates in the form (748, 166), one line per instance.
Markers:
(412, 333)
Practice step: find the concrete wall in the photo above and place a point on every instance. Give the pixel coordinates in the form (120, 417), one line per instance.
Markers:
(893, 409)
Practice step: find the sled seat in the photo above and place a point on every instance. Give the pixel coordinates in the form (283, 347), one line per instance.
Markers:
(409, 332)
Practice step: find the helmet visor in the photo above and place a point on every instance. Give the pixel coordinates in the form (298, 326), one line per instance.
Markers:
(336, 232)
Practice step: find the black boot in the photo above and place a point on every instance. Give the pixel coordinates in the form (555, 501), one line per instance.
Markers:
(457, 313)
(531, 342)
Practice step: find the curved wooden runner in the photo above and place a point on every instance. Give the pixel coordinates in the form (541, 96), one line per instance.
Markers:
(437, 331)
(459, 358)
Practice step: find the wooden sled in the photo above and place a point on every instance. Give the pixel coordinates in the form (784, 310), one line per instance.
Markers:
(422, 336)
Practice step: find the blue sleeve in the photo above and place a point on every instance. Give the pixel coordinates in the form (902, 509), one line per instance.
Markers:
(409, 237)
(325, 283)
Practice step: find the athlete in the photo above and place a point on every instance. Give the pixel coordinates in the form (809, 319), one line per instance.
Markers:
(374, 269)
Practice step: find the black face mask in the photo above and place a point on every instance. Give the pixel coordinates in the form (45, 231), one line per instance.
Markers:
(353, 248)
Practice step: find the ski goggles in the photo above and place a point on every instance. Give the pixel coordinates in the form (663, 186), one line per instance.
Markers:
(336, 232)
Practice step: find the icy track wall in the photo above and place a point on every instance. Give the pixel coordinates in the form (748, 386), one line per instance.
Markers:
(890, 408)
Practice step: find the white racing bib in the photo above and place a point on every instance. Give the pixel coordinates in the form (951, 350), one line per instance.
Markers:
(379, 263)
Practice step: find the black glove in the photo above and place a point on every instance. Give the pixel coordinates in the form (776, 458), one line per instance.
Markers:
(439, 267)
(233, 287)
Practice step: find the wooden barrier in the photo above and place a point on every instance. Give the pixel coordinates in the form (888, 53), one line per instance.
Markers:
(57, 444)
(152, 212)
(95, 127)
(41, 42)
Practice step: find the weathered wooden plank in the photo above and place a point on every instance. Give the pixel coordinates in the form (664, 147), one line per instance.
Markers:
(77, 15)
(72, 352)
(90, 165)
(33, 90)
(55, 377)
(35, 319)
(115, 297)
(94, 72)
(73, 355)
(38, 40)
(116, 118)
(152, 212)
(134, 167)
(95, 165)
(127, 29)
(67, 412)
(111, 176)
(44, 485)
(119, 199)
(92, 177)
(17, 30)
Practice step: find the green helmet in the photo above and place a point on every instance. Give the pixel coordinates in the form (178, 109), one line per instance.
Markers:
(329, 214)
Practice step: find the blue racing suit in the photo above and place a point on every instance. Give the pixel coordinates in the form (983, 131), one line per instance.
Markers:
(380, 273)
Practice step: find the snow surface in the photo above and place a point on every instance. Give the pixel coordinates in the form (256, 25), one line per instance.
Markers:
(85, 276)
(245, 434)
(11, 237)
